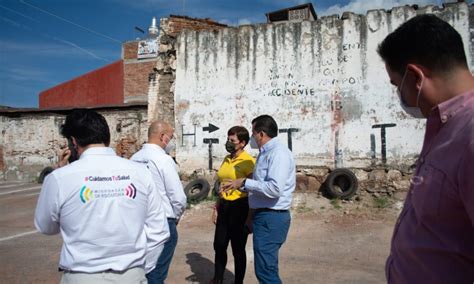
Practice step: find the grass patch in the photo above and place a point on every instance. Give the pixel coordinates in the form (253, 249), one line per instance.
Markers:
(212, 199)
(336, 203)
(381, 202)
(303, 209)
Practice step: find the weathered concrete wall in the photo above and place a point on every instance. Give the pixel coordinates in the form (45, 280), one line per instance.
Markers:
(162, 82)
(323, 82)
(30, 141)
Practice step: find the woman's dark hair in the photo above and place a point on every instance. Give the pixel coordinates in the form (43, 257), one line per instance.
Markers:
(241, 133)
(426, 40)
(266, 124)
(87, 127)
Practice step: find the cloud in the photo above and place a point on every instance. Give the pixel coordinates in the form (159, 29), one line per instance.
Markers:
(244, 21)
(37, 49)
(28, 74)
(362, 6)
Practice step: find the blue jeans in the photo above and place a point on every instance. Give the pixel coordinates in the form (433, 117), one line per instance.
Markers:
(159, 274)
(270, 229)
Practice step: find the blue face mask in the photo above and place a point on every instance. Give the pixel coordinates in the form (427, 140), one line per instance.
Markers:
(412, 111)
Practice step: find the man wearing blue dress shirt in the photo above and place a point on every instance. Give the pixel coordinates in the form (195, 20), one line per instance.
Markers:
(269, 192)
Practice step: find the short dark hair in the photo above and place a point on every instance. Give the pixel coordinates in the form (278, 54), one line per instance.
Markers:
(87, 127)
(266, 124)
(241, 133)
(426, 40)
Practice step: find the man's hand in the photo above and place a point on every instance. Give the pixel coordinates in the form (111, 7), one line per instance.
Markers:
(248, 224)
(231, 184)
(249, 221)
(63, 157)
(214, 215)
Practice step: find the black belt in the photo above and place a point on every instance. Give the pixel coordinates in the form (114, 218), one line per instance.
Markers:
(270, 210)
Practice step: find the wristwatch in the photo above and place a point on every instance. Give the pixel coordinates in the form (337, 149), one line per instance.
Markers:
(242, 187)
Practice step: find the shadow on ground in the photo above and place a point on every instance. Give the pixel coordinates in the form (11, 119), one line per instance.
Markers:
(203, 269)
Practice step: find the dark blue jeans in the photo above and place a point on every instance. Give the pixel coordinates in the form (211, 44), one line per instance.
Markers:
(270, 229)
(159, 274)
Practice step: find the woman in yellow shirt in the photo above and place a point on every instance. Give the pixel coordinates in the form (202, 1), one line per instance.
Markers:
(232, 208)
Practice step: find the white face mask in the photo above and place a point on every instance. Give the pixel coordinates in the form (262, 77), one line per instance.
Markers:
(413, 111)
(253, 143)
(171, 146)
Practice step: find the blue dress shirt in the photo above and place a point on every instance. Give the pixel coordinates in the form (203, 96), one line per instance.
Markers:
(274, 177)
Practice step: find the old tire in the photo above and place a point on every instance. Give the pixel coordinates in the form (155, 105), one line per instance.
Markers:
(46, 171)
(197, 189)
(215, 189)
(341, 183)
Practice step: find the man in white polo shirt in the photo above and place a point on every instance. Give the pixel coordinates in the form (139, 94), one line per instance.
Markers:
(165, 175)
(107, 209)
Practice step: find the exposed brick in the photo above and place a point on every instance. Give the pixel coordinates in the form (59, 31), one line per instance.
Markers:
(136, 79)
(126, 147)
(130, 50)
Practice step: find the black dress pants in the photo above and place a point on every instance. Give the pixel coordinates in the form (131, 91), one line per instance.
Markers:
(230, 226)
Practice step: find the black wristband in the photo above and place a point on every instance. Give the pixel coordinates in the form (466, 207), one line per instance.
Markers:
(242, 187)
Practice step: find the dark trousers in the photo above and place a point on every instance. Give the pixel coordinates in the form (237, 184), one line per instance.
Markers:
(159, 274)
(230, 226)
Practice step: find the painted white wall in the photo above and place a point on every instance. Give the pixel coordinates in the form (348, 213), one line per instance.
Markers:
(298, 73)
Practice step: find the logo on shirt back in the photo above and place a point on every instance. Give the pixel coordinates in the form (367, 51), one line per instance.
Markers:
(86, 194)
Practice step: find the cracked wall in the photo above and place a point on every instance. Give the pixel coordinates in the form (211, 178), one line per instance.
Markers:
(323, 81)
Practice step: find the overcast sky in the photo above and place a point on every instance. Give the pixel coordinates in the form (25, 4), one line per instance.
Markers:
(46, 42)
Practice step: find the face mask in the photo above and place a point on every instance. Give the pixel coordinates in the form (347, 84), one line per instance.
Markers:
(413, 111)
(74, 155)
(253, 143)
(171, 146)
(230, 147)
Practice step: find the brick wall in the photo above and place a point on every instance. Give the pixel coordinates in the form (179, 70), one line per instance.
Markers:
(176, 24)
(129, 50)
(135, 83)
(100, 87)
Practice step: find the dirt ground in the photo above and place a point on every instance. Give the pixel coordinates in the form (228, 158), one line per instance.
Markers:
(328, 242)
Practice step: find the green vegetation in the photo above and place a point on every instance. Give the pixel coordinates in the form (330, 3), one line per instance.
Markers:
(336, 203)
(381, 202)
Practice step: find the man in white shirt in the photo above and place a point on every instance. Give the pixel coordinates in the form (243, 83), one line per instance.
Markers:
(165, 175)
(107, 209)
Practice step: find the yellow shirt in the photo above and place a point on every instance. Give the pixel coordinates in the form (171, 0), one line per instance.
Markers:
(240, 167)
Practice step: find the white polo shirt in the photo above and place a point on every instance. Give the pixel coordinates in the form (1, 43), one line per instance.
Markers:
(166, 178)
(108, 212)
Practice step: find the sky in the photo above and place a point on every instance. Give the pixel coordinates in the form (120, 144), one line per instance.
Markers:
(47, 42)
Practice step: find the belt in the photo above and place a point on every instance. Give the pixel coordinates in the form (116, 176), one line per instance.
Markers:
(270, 210)
(60, 269)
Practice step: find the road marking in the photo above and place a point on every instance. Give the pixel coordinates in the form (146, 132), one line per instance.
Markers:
(18, 236)
(36, 193)
(6, 185)
(20, 190)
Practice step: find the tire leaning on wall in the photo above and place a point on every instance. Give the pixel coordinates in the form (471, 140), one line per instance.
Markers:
(216, 188)
(197, 189)
(46, 171)
(341, 183)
